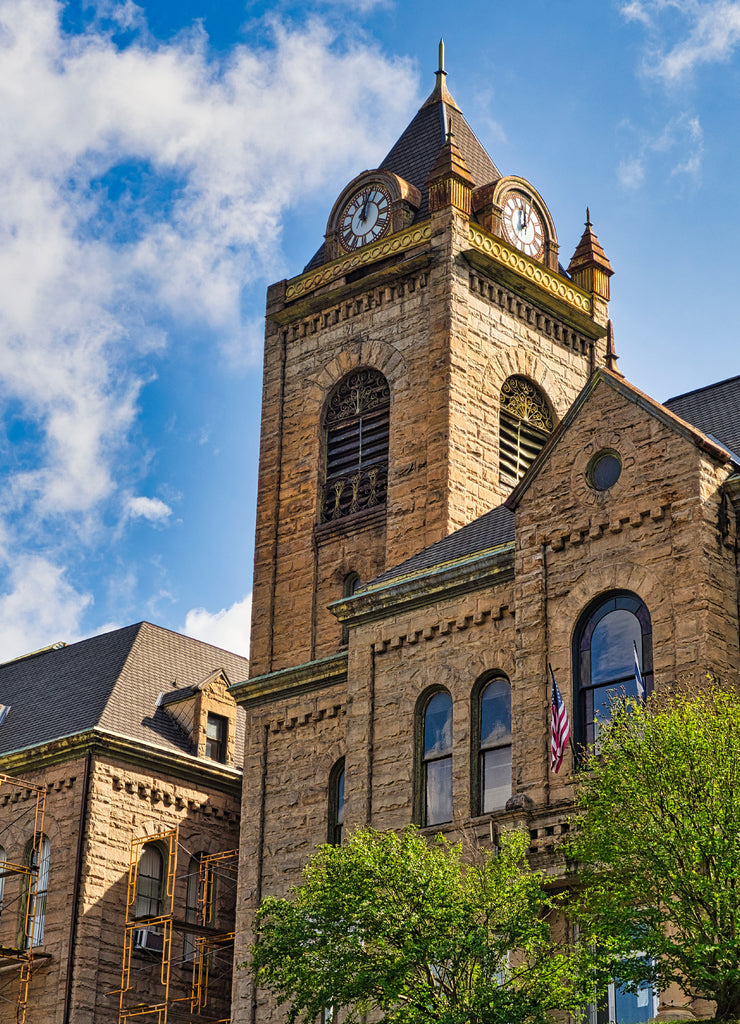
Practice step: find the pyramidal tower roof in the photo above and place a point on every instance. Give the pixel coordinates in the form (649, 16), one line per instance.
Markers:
(415, 153)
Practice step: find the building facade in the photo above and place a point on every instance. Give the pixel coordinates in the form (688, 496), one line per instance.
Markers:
(457, 490)
(119, 799)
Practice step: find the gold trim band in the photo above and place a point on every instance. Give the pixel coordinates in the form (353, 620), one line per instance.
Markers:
(396, 243)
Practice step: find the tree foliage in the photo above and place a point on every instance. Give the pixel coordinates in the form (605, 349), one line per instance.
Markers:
(658, 844)
(392, 923)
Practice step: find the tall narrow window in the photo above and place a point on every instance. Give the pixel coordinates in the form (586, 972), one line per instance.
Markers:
(436, 760)
(613, 632)
(39, 887)
(192, 906)
(618, 1006)
(494, 745)
(216, 732)
(351, 584)
(356, 426)
(336, 803)
(149, 882)
(525, 422)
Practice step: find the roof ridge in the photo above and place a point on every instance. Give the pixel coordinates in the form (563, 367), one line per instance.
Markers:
(705, 387)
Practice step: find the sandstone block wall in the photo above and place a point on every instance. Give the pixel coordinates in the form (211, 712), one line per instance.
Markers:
(446, 337)
(123, 802)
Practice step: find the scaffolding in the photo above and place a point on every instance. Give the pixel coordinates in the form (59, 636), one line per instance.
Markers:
(24, 956)
(203, 998)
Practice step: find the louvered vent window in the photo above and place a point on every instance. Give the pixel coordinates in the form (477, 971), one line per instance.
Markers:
(525, 422)
(357, 424)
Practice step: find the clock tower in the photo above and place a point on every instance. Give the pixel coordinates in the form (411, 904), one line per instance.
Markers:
(412, 373)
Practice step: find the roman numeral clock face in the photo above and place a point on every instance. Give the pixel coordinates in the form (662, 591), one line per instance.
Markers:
(365, 217)
(523, 225)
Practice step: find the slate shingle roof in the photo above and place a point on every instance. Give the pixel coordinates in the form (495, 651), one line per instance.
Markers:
(714, 409)
(413, 155)
(488, 531)
(111, 682)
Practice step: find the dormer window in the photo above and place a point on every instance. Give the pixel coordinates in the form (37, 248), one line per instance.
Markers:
(216, 734)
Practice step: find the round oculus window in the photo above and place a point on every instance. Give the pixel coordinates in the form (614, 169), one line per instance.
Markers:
(604, 470)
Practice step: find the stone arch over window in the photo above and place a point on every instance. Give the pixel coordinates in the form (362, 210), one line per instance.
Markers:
(525, 423)
(336, 803)
(491, 737)
(434, 758)
(356, 434)
(612, 658)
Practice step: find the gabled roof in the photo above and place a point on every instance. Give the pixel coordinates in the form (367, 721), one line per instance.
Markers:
(711, 445)
(111, 683)
(490, 530)
(413, 155)
(714, 409)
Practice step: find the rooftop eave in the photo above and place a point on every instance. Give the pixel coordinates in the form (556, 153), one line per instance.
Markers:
(185, 767)
(424, 587)
(302, 286)
(533, 280)
(287, 682)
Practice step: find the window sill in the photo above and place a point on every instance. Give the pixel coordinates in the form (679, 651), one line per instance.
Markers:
(364, 520)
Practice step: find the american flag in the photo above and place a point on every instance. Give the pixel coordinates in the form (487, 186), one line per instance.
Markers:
(559, 726)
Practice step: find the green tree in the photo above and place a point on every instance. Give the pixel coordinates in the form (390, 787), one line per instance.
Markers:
(404, 927)
(658, 844)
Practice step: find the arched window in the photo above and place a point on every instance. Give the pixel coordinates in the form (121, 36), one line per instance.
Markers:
(336, 803)
(435, 777)
(525, 422)
(351, 584)
(356, 436)
(612, 634)
(149, 882)
(36, 889)
(492, 740)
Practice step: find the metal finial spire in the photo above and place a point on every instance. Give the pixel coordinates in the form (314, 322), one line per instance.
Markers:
(450, 134)
(441, 68)
(588, 218)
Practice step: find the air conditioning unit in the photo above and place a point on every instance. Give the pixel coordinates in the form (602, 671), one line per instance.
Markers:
(148, 939)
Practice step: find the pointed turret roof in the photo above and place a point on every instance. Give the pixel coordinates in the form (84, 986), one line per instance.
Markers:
(589, 251)
(416, 152)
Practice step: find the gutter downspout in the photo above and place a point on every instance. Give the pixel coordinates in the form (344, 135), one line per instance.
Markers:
(76, 889)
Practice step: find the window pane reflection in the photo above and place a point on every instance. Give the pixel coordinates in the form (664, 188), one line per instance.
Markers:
(495, 714)
(438, 726)
(612, 653)
(496, 781)
(439, 791)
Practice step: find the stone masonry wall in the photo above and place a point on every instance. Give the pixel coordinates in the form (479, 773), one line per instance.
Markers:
(445, 338)
(654, 533)
(291, 749)
(124, 803)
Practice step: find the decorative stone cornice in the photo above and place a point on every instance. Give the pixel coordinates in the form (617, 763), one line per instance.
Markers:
(400, 242)
(442, 627)
(530, 270)
(287, 682)
(424, 587)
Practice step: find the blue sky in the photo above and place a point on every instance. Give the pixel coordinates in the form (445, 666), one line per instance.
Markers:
(163, 162)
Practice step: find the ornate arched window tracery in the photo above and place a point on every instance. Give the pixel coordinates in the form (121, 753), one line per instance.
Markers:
(356, 427)
(525, 423)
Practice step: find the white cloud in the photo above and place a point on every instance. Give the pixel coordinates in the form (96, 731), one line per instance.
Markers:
(94, 136)
(709, 34)
(39, 608)
(228, 628)
(676, 151)
(152, 509)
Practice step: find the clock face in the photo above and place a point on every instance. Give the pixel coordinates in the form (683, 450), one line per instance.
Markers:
(523, 225)
(365, 217)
